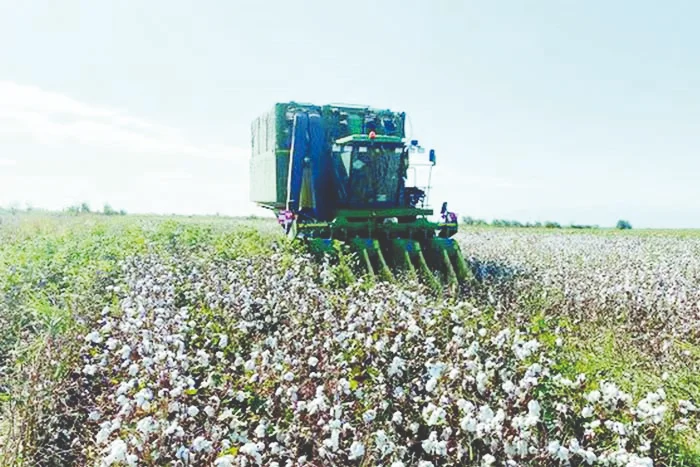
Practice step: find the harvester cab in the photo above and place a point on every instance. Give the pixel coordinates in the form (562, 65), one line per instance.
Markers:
(346, 174)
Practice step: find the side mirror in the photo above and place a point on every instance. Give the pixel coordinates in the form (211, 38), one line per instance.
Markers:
(432, 156)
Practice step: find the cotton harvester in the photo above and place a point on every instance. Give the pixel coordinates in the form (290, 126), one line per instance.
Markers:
(341, 173)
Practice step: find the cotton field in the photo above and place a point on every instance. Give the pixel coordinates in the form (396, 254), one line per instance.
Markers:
(151, 342)
(648, 283)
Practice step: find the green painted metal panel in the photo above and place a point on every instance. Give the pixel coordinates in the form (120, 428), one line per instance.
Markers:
(363, 139)
(271, 140)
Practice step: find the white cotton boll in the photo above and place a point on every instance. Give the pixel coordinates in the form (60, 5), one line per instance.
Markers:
(226, 414)
(431, 384)
(508, 387)
(117, 452)
(106, 429)
(433, 415)
(223, 341)
(524, 349)
(464, 405)
(533, 408)
(90, 370)
(209, 410)
(172, 428)
(593, 396)
(122, 400)
(468, 423)
(94, 337)
(192, 411)
(396, 367)
(481, 381)
(313, 361)
(589, 456)
(133, 369)
(142, 397)
(201, 444)
(357, 450)
(333, 442)
(433, 446)
(125, 352)
(562, 454)
(380, 345)
(486, 414)
(369, 415)
(225, 461)
(587, 411)
(397, 464)
(685, 406)
(183, 453)
(488, 459)
(251, 449)
(260, 430)
(146, 425)
(288, 376)
(397, 417)
(203, 358)
(435, 369)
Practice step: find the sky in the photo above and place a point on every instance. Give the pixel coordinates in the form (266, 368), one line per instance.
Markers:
(574, 111)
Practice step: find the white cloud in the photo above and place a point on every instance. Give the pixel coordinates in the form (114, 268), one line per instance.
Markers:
(52, 118)
(63, 151)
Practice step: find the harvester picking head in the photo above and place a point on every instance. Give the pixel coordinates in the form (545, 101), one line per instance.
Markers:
(342, 174)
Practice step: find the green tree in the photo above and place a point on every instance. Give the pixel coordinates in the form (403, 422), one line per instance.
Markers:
(623, 225)
(108, 210)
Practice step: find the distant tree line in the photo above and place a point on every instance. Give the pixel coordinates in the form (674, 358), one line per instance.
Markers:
(84, 208)
(468, 220)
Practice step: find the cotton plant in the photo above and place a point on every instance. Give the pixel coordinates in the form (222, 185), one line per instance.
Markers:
(257, 362)
(651, 279)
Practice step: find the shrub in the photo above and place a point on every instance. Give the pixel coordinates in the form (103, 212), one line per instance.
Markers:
(623, 225)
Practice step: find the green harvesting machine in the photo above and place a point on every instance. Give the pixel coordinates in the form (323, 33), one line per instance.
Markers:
(343, 174)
